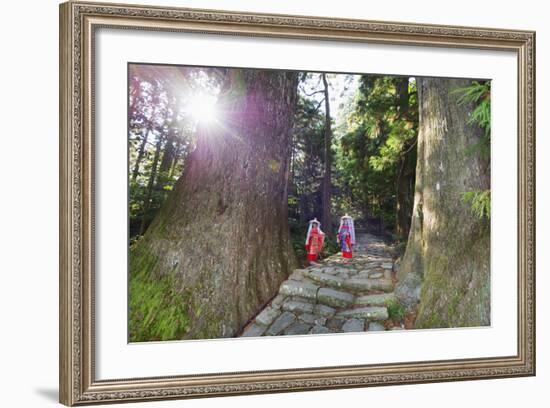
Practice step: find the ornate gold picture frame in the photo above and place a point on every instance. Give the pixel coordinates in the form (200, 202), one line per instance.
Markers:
(79, 22)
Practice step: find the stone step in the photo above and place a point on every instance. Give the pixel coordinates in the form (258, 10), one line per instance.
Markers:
(335, 298)
(353, 325)
(267, 316)
(280, 324)
(375, 300)
(366, 284)
(298, 328)
(297, 307)
(370, 313)
(312, 319)
(375, 326)
(324, 310)
(254, 330)
(296, 288)
(317, 329)
(333, 281)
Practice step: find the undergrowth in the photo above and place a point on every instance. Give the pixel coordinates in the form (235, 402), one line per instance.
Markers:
(396, 310)
(157, 310)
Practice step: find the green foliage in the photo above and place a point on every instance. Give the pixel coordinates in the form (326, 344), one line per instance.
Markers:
(478, 94)
(330, 248)
(396, 310)
(157, 310)
(381, 132)
(480, 202)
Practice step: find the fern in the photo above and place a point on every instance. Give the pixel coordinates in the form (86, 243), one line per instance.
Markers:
(472, 93)
(480, 202)
(479, 94)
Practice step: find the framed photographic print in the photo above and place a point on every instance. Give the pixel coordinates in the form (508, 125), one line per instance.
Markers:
(258, 203)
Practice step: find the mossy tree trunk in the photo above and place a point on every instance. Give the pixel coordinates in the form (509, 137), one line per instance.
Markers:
(445, 271)
(222, 234)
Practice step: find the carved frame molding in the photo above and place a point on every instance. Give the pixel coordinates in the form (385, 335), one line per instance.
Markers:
(78, 20)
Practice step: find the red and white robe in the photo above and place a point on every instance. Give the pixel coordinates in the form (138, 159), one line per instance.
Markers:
(314, 243)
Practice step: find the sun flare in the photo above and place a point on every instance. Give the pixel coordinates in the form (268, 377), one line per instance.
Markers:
(202, 108)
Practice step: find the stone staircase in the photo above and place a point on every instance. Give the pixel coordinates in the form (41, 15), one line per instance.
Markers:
(334, 296)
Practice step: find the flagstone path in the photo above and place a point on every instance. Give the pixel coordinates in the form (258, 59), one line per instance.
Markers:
(335, 296)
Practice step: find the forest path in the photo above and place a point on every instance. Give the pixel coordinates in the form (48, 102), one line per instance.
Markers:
(334, 296)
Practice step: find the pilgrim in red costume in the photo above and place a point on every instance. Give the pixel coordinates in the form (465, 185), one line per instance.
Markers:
(314, 240)
(346, 236)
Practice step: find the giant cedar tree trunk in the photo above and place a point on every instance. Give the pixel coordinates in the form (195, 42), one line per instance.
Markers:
(223, 230)
(447, 260)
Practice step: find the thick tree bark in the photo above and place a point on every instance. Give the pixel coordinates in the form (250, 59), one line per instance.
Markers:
(446, 266)
(327, 177)
(224, 229)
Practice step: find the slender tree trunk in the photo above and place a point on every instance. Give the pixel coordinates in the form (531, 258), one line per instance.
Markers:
(304, 206)
(406, 171)
(169, 152)
(223, 231)
(150, 186)
(327, 219)
(402, 93)
(405, 194)
(175, 159)
(140, 155)
(292, 165)
(445, 269)
(166, 161)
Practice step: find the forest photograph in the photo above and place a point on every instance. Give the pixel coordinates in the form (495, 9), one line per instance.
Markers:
(268, 202)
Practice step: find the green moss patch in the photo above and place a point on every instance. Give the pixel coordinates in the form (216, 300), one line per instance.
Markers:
(157, 309)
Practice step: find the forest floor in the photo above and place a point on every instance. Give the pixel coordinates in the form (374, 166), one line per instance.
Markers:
(335, 296)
